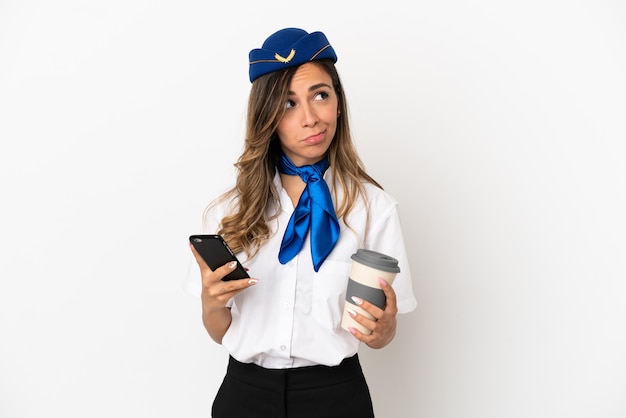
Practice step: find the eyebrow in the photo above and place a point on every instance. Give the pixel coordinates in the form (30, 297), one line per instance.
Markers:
(313, 87)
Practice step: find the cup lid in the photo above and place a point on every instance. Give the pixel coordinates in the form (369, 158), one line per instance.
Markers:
(376, 260)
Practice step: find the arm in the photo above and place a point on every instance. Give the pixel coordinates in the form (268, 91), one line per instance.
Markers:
(216, 322)
(385, 236)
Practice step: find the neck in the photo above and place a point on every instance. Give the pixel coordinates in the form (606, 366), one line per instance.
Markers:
(301, 161)
(293, 185)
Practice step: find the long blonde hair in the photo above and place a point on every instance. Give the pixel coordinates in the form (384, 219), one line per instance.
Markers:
(246, 228)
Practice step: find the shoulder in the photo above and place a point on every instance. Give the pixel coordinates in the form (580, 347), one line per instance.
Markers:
(378, 198)
(373, 193)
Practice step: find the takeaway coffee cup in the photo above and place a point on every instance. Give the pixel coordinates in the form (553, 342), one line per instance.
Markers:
(367, 267)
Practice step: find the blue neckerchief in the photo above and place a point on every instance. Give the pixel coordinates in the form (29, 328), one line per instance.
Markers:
(315, 211)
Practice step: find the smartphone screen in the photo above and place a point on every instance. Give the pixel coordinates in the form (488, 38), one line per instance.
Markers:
(215, 252)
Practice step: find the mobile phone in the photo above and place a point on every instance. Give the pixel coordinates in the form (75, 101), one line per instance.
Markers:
(216, 252)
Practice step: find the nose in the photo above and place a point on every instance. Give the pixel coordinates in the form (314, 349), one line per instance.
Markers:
(309, 116)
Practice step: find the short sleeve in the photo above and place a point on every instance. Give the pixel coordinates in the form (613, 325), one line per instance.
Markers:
(385, 236)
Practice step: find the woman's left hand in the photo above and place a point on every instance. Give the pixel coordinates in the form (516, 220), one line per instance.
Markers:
(383, 326)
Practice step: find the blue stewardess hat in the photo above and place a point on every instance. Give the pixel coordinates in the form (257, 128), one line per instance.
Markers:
(289, 47)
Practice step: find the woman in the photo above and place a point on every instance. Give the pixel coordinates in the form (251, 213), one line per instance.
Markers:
(301, 206)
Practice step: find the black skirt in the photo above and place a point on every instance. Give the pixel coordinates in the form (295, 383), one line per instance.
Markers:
(251, 391)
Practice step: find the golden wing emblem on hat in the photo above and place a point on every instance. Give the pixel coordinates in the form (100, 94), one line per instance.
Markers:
(289, 57)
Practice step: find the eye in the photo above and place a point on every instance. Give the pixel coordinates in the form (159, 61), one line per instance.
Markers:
(322, 95)
(289, 104)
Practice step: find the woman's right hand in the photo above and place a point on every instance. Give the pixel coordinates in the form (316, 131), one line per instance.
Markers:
(215, 292)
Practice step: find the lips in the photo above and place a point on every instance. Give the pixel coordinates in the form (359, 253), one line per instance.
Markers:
(314, 139)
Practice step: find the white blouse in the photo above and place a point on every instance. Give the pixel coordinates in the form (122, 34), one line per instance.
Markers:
(292, 316)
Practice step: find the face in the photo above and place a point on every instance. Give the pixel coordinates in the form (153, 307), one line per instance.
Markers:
(310, 120)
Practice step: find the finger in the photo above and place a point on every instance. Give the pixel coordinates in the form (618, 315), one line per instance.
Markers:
(390, 296)
(367, 306)
(378, 333)
(212, 278)
(232, 287)
(357, 334)
(365, 338)
(368, 323)
(225, 270)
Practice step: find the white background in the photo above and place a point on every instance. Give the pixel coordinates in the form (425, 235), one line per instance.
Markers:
(499, 127)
